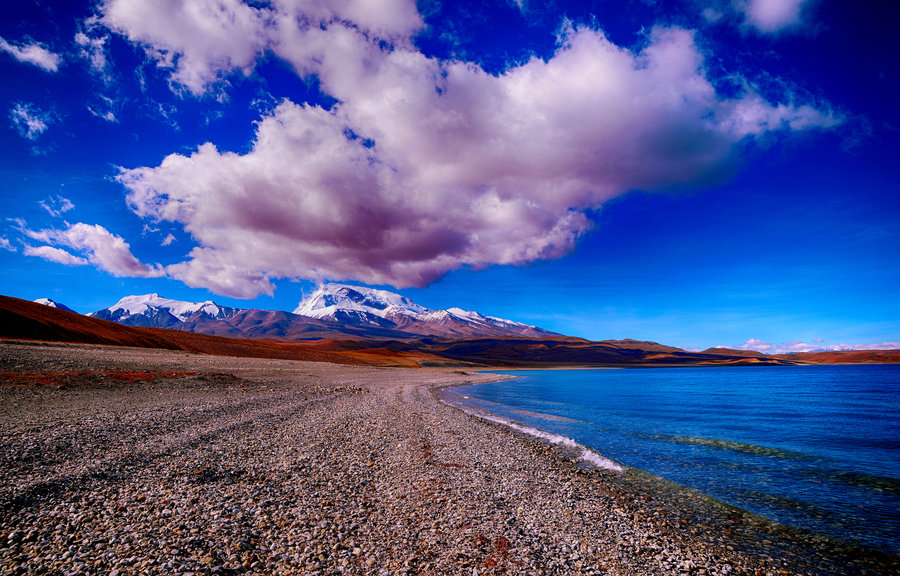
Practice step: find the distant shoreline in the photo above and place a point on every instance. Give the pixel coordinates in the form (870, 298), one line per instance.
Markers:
(653, 366)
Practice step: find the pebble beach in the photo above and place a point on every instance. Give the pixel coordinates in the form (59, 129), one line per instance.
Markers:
(131, 461)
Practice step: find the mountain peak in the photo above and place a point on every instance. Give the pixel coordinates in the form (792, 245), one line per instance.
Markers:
(330, 299)
(53, 304)
(154, 304)
(363, 306)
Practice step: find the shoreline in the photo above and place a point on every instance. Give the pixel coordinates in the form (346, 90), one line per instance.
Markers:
(149, 461)
(841, 551)
(538, 432)
(571, 453)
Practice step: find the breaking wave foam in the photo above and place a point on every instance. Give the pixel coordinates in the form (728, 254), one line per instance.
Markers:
(585, 454)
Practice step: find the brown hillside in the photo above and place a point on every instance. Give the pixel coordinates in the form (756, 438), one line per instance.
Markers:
(23, 320)
(848, 357)
(29, 321)
(20, 319)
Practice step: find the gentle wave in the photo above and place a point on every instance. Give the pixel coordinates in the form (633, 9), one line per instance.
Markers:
(551, 417)
(729, 445)
(861, 479)
(585, 454)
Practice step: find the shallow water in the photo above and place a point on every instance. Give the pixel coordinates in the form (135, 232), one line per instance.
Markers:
(816, 447)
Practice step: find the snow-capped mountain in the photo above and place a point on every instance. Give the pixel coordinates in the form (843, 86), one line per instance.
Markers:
(362, 306)
(53, 304)
(332, 311)
(154, 310)
(368, 306)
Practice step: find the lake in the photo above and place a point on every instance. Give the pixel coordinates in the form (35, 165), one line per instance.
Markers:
(816, 447)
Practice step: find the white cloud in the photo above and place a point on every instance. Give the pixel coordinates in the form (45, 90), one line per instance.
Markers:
(5, 245)
(818, 345)
(772, 16)
(203, 41)
(101, 248)
(783, 348)
(34, 54)
(168, 240)
(426, 166)
(881, 346)
(93, 50)
(107, 115)
(56, 206)
(28, 121)
(200, 40)
(57, 255)
(752, 115)
(104, 108)
(712, 14)
(92, 40)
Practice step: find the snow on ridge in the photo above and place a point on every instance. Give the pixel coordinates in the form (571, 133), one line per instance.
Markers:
(141, 304)
(482, 318)
(331, 298)
(342, 304)
(52, 303)
(436, 315)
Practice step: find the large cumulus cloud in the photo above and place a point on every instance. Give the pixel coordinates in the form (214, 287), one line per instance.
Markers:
(425, 166)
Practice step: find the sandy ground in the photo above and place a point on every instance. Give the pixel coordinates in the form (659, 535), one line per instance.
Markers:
(129, 461)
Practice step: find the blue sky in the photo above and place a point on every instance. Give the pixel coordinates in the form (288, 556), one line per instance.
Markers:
(693, 173)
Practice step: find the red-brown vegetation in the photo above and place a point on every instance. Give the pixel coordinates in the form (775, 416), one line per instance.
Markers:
(59, 378)
(845, 357)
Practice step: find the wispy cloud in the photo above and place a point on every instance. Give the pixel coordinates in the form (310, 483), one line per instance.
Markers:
(107, 115)
(34, 53)
(772, 16)
(783, 348)
(54, 254)
(874, 346)
(168, 240)
(5, 244)
(92, 39)
(100, 247)
(56, 206)
(29, 121)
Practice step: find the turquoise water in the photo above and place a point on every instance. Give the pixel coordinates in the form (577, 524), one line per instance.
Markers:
(816, 447)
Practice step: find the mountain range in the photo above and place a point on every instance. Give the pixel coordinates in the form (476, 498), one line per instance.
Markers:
(23, 320)
(332, 311)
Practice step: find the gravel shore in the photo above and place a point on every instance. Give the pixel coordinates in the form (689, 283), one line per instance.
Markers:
(129, 461)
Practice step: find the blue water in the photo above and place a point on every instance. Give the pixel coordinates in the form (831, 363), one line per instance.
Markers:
(816, 447)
